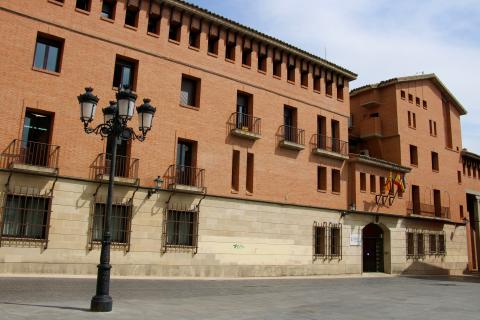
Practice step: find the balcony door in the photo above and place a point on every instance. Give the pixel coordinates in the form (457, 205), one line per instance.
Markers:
(321, 132)
(416, 199)
(185, 166)
(437, 203)
(243, 111)
(290, 123)
(122, 166)
(36, 137)
(335, 136)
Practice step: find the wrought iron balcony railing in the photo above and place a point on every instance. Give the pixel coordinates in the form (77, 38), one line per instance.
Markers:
(20, 152)
(330, 144)
(292, 134)
(428, 210)
(179, 175)
(125, 167)
(242, 124)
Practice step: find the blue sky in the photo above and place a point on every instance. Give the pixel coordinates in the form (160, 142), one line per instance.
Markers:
(379, 39)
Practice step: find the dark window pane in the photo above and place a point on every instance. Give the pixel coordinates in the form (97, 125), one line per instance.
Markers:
(52, 58)
(39, 55)
(83, 5)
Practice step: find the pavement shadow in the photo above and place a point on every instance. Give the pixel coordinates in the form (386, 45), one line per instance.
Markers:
(46, 306)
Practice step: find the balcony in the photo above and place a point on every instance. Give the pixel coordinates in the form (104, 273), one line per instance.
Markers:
(291, 138)
(30, 156)
(245, 126)
(126, 168)
(428, 210)
(185, 179)
(371, 128)
(329, 147)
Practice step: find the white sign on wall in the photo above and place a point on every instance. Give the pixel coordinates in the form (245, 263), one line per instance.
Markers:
(355, 238)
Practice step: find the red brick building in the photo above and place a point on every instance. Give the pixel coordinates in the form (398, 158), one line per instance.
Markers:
(250, 140)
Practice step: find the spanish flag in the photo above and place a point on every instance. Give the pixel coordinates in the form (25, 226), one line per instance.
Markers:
(389, 184)
(400, 182)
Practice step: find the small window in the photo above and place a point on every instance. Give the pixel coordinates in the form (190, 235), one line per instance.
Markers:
(213, 44)
(420, 244)
(410, 98)
(131, 16)
(425, 106)
(83, 5)
(262, 62)
(430, 125)
(417, 101)
(432, 240)
(335, 241)
(174, 31)
(414, 120)
(321, 178)
(108, 9)
(153, 24)
(181, 229)
(316, 83)
(194, 38)
(291, 73)
(48, 53)
(247, 57)
(320, 241)
(336, 180)
(435, 164)
(250, 169)
(413, 155)
(435, 128)
(329, 87)
(235, 170)
(402, 94)
(340, 86)
(25, 217)
(363, 181)
(190, 92)
(409, 119)
(459, 176)
(230, 51)
(462, 214)
(410, 244)
(441, 244)
(304, 79)
(124, 75)
(277, 68)
(373, 184)
(382, 185)
(119, 224)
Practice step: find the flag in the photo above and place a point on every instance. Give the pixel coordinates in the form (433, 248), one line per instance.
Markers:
(398, 181)
(389, 184)
(404, 184)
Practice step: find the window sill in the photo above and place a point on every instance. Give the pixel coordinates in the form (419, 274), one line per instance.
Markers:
(425, 108)
(304, 87)
(435, 171)
(193, 48)
(328, 95)
(322, 190)
(234, 191)
(230, 60)
(340, 99)
(363, 191)
(414, 128)
(214, 55)
(291, 82)
(418, 105)
(261, 71)
(82, 11)
(107, 19)
(130, 27)
(56, 2)
(414, 165)
(336, 193)
(317, 91)
(53, 73)
(402, 98)
(189, 107)
(151, 34)
(174, 42)
(246, 66)
(248, 193)
(277, 77)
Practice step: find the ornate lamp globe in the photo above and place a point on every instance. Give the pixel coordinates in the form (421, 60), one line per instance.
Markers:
(88, 105)
(145, 115)
(126, 103)
(109, 112)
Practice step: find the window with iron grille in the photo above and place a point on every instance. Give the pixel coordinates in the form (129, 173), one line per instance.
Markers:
(320, 249)
(441, 244)
(432, 239)
(420, 245)
(180, 229)
(335, 241)
(25, 216)
(120, 223)
(327, 240)
(410, 244)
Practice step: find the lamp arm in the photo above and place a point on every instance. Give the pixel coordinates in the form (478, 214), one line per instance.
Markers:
(103, 129)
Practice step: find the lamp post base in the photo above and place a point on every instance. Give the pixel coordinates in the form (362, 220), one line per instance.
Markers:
(101, 303)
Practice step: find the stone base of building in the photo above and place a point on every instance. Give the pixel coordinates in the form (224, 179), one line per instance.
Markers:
(233, 237)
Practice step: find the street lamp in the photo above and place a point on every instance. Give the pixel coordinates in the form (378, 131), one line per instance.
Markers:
(116, 117)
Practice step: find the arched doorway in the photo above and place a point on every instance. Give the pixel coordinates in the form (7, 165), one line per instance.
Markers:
(372, 239)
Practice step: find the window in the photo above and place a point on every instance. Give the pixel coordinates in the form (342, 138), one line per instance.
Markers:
(415, 199)
(180, 229)
(417, 101)
(190, 92)
(441, 244)
(459, 176)
(336, 180)
(329, 84)
(437, 203)
(247, 57)
(414, 120)
(277, 68)
(340, 86)
(462, 214)
(320, 241)
(235, 170)
(382, 185)
(291, 72)
(108, 9)
(119, 223)
(83, 5)
(321, 178)
(194, 38)
(447, 125)
(304, 78)
(413, 155)
(124, 75)
(186, 172)
(435, 164)
(213, 44)
(131, 16)
(174, 31)
(48, 53)
(420, 244)
(409, 119)
(262, 62)
(432, 241)
(335, 241)
(430, 126)
(435, 128)
(230, 51)
(425, 106)
(290, 125)
(402, 94)
(25, 217)
(363, 181)
(37, 130)
(153, 24)
(373, 184)
(250, 172)
(410, 98)
(410, 244)
(316, 83)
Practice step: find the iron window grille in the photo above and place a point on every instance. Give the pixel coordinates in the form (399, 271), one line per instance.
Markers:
(416, 243)
(120, 224)
(180, 229)
(25, 217)
(327, 240)
(437, 243)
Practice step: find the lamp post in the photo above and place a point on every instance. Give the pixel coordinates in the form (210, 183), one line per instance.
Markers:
(114, 126)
